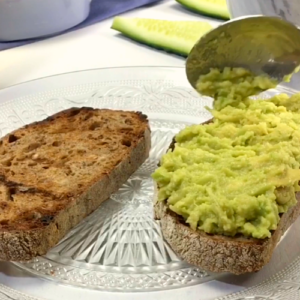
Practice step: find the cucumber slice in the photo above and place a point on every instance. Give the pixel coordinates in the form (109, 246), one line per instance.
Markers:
(215, 8)
(172, 36)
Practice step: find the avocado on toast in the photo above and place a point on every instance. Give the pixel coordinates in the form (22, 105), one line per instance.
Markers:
(216, 252)
(228, 189)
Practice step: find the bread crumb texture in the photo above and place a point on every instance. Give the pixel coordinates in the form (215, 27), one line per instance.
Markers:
(46, 165)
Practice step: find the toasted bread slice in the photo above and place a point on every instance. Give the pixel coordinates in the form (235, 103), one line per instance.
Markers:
(218, 253)
(56, 172)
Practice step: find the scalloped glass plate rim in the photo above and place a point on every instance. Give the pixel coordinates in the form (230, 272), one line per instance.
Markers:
(244, 294)
(283, 88)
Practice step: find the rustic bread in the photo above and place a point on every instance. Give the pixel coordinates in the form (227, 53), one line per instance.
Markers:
(55, 172)
(218, 253)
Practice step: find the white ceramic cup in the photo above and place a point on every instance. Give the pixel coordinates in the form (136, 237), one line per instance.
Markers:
(25, 19)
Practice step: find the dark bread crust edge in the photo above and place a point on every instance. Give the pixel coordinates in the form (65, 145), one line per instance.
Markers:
(73, 111)
(217, 253)
(25, 245)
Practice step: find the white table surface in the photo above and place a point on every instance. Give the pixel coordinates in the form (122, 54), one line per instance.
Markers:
(96, 46)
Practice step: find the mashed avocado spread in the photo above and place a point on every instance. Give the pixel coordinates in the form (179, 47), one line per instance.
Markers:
(236, 174)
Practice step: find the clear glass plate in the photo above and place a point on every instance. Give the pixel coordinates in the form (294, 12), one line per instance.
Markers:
(120, 247)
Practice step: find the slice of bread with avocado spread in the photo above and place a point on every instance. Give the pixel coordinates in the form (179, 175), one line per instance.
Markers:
(227, 190)
(219, 253)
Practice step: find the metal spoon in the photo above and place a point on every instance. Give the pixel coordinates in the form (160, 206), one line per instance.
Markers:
(261, 44)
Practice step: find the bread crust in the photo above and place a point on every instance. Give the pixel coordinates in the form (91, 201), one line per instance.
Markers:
(23, 245)
(218, 253)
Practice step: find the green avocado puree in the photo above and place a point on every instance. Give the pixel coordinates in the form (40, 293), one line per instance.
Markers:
(236, 174)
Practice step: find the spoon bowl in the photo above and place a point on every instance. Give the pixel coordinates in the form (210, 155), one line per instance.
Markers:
(261, 44)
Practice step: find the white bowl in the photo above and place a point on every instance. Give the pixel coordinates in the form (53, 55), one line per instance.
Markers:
(25, 19)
